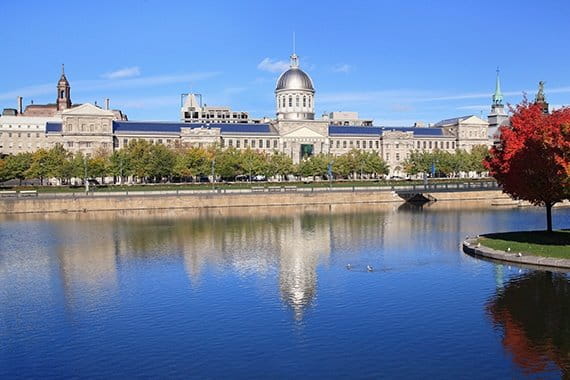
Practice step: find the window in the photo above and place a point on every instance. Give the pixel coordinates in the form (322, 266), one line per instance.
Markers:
(358, 144)
(230, 142)
(253, 143)
(397, 146)
(309, 101)
(10, 134)
(397, 156)
(447, 145)
(290, 101)
(245, 143)
(37, 135)
(304, 101)
(453, 145)
(387, 156)
(19, 134)
(430, 144)
(377, 144)
(237, 143)
(337, 144)
(268, 144)
(261, 143)
(425, 144)
(160, 141)
(344, 144)
(297, 101)
(29, 135)
(275, 144)
(284, 145)
(418, 145)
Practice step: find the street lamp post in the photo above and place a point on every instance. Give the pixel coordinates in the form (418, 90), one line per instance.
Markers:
(85, 176)
(329, 172)
(213, 175)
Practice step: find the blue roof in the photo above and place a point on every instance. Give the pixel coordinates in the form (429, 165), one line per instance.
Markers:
(237, 127)
(146, 126)
(348, 130)
(166, 127)
(53, 127)
(376, 131)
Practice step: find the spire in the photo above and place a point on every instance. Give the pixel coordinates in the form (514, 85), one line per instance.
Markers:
(294, 57)
(63, 69)
(498, 96)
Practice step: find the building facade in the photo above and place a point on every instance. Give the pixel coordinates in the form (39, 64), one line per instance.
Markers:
(294, 131)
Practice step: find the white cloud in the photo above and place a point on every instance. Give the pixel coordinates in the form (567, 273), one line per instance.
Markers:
(341, 68)
(473, 107)
(82, 86)
(267, 64)
(127, 72)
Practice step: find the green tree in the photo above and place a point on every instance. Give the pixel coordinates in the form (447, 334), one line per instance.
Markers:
(160, 162)
(120, 164)
(139, 155)
(192, 162)
(17, 166)
(280, 165)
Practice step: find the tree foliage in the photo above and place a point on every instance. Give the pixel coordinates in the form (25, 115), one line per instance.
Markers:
(532, 161)
(447, 164)
(143, 161)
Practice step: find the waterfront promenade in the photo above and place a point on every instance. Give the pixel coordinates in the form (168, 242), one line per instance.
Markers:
(266, 196)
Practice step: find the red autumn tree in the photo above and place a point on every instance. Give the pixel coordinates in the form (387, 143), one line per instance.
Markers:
(532, 161)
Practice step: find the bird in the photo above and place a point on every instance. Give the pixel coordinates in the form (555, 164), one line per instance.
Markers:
(348, 266)
(519, 254)
(509, 249)
(369, 268)
(478, 245)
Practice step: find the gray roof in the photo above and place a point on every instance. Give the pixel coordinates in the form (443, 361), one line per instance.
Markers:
(294, 79)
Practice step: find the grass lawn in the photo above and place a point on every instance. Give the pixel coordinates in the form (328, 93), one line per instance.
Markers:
(540, 243)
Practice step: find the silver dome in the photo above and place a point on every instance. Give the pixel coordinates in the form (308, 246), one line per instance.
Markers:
(294, 79)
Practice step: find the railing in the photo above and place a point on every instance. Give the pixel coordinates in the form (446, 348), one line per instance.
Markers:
(410, 189)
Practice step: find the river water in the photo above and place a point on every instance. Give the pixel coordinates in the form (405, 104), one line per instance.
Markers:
(266, 293)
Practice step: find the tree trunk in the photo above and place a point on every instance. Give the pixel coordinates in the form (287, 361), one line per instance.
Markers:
(549, 217)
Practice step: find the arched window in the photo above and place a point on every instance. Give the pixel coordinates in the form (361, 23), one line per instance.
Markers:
(61, 94)
(309, 101)
(290, 101)
(304, 101)
(283, 101)
(297, 101)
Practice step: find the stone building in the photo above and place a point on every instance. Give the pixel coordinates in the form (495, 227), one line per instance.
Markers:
(294, 131)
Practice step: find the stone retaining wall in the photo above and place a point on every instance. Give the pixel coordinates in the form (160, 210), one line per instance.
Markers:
(157, 201)
(471, 247)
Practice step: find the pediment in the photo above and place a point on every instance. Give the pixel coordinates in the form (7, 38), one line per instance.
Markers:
(87, 109)
(304, 132)
(473, 120)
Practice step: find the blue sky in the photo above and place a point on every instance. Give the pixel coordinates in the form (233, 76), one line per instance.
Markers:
(396, 62)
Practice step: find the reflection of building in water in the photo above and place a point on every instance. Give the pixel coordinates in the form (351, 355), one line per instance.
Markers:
(303, 243)
(87, 260)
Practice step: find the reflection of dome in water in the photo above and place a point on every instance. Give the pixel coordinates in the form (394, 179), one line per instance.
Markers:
(298, 289)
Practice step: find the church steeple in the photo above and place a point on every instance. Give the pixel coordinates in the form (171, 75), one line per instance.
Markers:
(63, 92)
(497, 117)
(497, 96)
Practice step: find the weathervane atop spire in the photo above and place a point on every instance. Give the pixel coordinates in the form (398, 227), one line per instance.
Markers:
(294, 58)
